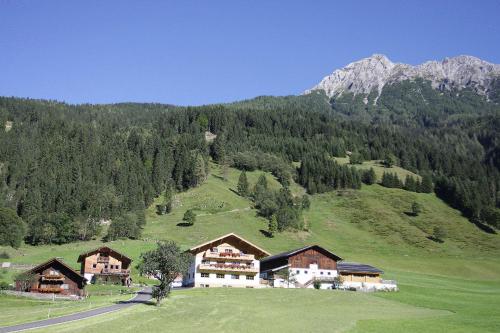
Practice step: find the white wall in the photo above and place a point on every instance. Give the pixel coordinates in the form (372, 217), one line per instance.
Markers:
(195, 279)
(304, 275)
(370, 286)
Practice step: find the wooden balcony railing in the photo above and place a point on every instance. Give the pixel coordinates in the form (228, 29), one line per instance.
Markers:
(108, 271)
(55, 277)
(228, 268)
(229, 255)
(53, 290)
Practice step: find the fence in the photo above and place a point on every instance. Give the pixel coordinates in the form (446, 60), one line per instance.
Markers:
(41, 296)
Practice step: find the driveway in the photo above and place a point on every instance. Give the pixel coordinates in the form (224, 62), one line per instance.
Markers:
(142, 296)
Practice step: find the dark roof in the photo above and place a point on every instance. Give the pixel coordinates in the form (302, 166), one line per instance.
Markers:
(53, 261)
(288, 254)
(103, 249)
(353, 267)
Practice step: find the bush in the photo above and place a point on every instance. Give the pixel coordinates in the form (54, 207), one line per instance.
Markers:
(317, 285)
(189, 217)
(4, 285)
(416, 208)
(4, 255)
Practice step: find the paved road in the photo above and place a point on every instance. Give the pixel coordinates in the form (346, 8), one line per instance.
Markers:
(142, 297)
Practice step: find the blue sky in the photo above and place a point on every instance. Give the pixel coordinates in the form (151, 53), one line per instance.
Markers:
(199, 52)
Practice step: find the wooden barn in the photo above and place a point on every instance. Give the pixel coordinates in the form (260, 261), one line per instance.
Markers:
(105, 265)
(53, 276)
(301, 268)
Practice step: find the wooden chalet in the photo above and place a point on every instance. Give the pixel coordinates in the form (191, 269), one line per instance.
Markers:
(53, 276)
(303, 267)
(105, 265)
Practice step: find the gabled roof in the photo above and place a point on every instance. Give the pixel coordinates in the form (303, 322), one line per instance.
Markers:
(288, 254)
(354, 267)
(117, 254)
(53, 261)
(230, 238)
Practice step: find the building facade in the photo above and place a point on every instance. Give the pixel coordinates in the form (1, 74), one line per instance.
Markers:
(54, 277)
(228, 261)
(301, 268)
(105, 265)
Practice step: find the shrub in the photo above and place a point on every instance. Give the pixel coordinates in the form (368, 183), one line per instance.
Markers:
(317, 285)
(189, 217)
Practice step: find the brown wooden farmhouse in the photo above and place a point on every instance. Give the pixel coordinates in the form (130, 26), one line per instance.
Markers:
(105, 265)
(301, 268)
(53, 276)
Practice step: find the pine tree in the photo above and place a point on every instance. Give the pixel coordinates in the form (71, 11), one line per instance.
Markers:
(169, 195)
(243, 184)
(426, 186)
(410, 184)
(273, 226)
(369, 177)
(199, 170)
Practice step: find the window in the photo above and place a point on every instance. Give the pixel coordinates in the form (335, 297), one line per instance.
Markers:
(214, 249)
(305, 272)
(220, 276)
(65, 286)
(250, 277)
(106, 266)
(298, 272)
(235, 276)
(321, 273)
(205, 275)
(329, 273)
(228, 251)
(94, 265)
(205, 262)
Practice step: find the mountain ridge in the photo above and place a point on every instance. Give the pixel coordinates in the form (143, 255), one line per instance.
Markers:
(373, 73)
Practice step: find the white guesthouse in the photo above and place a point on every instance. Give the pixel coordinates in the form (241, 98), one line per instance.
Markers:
(228, 261)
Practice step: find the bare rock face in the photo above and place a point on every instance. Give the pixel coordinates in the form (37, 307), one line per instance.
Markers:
(373, 73)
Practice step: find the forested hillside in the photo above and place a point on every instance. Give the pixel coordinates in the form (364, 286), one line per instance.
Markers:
(64, 169)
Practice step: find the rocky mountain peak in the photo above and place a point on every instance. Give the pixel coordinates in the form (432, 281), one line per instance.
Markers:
(373, 73)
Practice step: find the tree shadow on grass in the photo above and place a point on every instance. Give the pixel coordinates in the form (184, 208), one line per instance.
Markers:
(412, 214)
(266, 233)
(434, 239)
(234, 191)
(484, 227)
(183, 224)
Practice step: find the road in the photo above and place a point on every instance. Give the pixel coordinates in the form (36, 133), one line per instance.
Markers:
(142, 296)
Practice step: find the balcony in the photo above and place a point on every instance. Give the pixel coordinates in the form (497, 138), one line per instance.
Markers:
(52, 290)
(234, 256)
(228, 268)
(54, 277)
(108, 271)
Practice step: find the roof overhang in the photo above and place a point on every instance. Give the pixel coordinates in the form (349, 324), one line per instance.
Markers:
(232, 239)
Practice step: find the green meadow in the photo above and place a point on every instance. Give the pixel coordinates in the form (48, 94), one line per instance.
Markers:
(450, 286)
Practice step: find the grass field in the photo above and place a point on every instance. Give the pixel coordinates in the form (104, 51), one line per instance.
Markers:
(450, 286)
(16, 310)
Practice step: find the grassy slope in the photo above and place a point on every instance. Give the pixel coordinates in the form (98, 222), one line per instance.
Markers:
(461, 275)
(379, 168)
